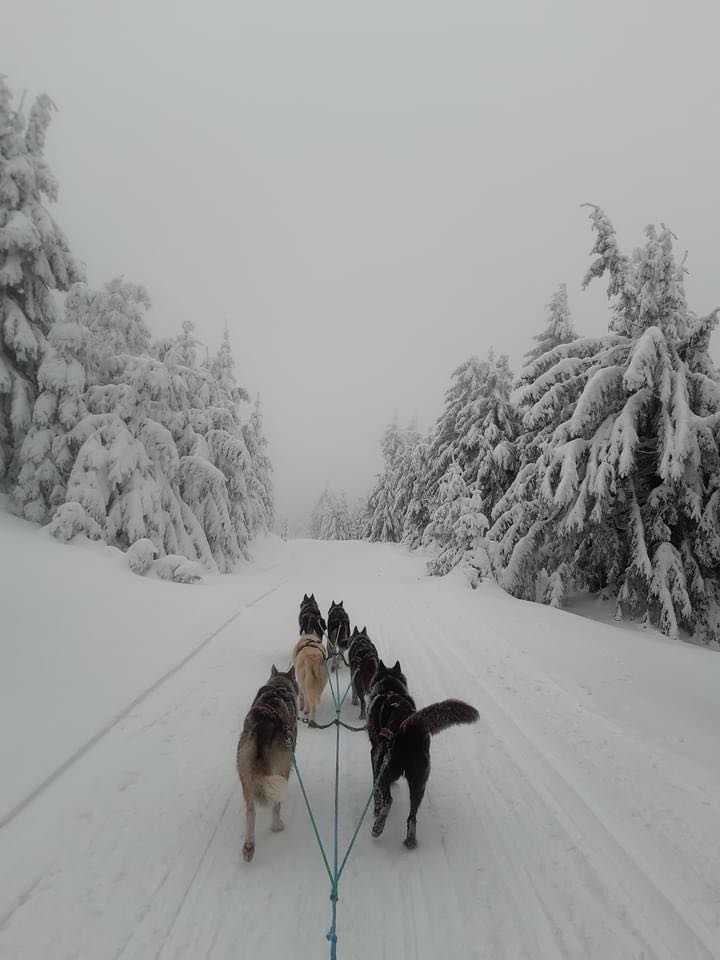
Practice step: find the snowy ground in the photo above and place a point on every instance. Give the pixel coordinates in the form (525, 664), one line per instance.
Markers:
(579, 818)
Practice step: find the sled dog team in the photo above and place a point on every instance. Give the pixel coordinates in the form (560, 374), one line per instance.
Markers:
(399, 733)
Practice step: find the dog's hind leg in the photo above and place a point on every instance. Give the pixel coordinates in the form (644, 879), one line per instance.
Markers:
(277, 824)
(417, 792)
(376, 760)
(383, 802)
(249, 844)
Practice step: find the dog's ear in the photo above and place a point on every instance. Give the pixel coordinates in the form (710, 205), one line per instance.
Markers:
(305, 598)
(312, 596)
(274, 671)
(396, 668)
(364, 630)
(340, 604)
(291, 672)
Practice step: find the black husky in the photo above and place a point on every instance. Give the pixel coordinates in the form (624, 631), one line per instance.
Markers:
(338, 630)
(400, 740)
(363, 660)
(310, 620)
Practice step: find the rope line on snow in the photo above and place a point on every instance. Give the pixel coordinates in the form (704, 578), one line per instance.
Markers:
(335, 873)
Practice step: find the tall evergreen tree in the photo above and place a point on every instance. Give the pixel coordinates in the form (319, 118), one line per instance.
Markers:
(35, 261)
(386, 510)
(46, 456)
(558, 329)
(260, 485)
(621, 496)
(457, 525)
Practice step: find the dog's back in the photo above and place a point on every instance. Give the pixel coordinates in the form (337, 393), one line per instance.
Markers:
(263, 753)
(363, 659)
(312, 623)
(309, 661)
(338, 626)
(389, 705)
(309, 605)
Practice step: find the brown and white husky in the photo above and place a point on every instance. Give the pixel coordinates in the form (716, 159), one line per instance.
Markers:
(264, 754)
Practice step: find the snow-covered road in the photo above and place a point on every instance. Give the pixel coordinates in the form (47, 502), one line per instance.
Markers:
(579, 818)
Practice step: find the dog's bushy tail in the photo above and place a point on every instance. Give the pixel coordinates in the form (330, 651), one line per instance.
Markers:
(439, 716)
(270, 788)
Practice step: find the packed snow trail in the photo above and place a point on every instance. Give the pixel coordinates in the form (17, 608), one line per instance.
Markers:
(579, 818)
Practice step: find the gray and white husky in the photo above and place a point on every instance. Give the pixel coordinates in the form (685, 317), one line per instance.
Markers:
(400, 740)
(264, 755)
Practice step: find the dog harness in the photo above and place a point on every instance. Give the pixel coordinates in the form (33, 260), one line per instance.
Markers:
(268, 711)
(311, 643)
(389, 705)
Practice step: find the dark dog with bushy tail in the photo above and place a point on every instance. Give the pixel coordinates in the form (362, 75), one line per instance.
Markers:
(363, 660)
(310, 620)
(264, 753)
(400, 741)
(338, 631)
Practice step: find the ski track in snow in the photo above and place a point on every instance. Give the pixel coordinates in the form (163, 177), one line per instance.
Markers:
(553, 828)
(89, 744)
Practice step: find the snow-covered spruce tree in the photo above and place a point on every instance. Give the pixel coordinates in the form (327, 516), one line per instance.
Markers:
(455, 436)
(205, 422)
(493, 438)
(116, 319)
(558, 329)
(485, 432)
(623, 496)
(335, 518)
(161, 434)
(358, 519)
(457, 525)
(166, 397)
(389, 498)
(417, 512)
(102, 333)
(318, 514)
(35, 261)
(260, 485)
(46, 456)
(330, 518)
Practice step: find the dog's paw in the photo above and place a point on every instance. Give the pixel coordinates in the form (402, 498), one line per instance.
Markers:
(379, 825)
(410, 842)
(248, 852)
(277, 826)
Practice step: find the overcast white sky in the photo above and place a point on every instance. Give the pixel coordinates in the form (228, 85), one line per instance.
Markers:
(369, 192)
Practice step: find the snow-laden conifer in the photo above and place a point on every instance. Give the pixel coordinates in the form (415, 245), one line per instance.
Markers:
(620, 495)
(457, 525)
(559, 327)
(35, 262)
(46, 456)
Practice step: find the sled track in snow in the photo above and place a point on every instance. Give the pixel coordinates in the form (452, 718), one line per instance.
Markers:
(609, 853)
(86, 747)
